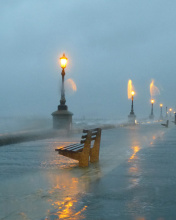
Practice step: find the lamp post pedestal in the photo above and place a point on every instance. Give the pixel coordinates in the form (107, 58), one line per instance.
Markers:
(62, 119)
(131, 118)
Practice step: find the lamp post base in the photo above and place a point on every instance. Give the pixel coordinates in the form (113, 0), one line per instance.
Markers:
(62, 119)
(131, 118)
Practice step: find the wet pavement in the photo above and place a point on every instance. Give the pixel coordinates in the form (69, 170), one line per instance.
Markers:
(141, 188)
(134, 178)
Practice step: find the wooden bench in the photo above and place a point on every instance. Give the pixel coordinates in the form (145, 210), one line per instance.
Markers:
(89, 146)
(167, 124)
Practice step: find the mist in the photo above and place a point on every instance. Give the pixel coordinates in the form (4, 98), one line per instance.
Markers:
(106, 42)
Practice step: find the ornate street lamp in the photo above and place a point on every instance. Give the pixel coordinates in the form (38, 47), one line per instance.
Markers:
(62, 118)
(63, 62)
(161, 112)
(132, 116)
(170, 112)
(132, 97)
(166, 113)
(152, 115)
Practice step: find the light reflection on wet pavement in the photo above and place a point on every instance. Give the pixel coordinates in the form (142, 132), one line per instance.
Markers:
(134, 179)
(143, 187)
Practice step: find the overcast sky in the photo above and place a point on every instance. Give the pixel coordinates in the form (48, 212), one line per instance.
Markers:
(107, 42)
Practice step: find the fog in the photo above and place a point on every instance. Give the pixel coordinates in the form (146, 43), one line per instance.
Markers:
(106, 42)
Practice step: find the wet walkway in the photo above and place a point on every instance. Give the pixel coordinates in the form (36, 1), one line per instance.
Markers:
(134, 178)
(142, 188)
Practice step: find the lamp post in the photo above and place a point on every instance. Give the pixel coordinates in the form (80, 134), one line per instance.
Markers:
(63, 62)
(132, 116)
(170, 112)
(161, 112)
(132, 97)
(166, 113)
(152, 115)
(62, 118)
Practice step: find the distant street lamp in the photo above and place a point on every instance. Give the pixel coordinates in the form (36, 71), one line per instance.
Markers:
(63, 62)
(132, 116)
(166, 113)
(152, 115)
(132, 97)
(161, 113)
(170, 112)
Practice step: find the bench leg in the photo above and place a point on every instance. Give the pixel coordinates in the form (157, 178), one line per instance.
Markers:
(94, 152)
(84, 160)
(84, 155)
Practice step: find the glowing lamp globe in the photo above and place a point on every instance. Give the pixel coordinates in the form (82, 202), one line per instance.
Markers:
(63, 61)
(161, 105)
(170, 109)
(132, 93)
(152, 101)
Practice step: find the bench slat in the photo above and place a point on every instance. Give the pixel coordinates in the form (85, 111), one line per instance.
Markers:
(83, 141)
(63, 148)
(78, 149)
(85, 130)
(84, 136)
(93, 134)
(92, 138)
(69, 146)
(74, 147)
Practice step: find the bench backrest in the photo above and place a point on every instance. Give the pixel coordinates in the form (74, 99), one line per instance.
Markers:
(94, 134)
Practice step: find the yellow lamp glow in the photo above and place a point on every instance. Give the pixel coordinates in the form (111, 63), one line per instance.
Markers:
(152, 101)
(63, 61)
(132, 93)
(170, 109)
(161, 105)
